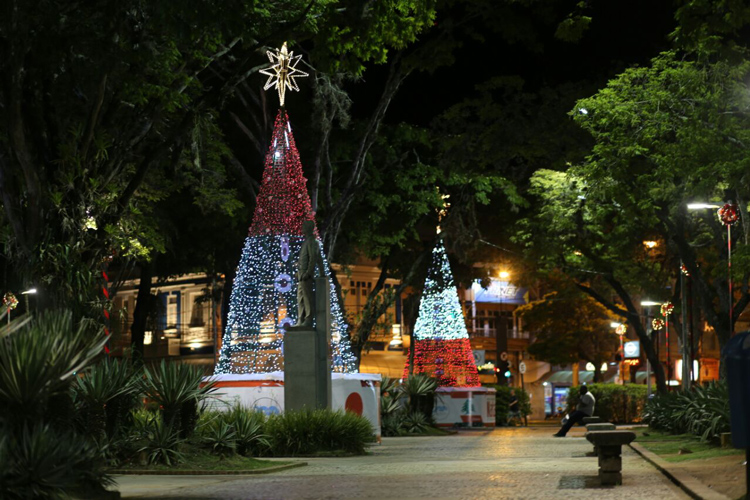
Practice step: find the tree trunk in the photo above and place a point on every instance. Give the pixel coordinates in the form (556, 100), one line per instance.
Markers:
(142, 309)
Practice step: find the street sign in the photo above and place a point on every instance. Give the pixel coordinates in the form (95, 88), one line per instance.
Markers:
(632, 349)
(522, 367)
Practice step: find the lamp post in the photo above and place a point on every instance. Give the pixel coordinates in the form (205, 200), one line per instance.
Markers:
(648, 304)
(620, 329)
(728, 215)
(30, 291)
(666, 310)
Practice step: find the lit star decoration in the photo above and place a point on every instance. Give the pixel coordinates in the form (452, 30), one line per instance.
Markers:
(264, 295)
(657, 324)
(282, 74)
(441, 343)
(621, 329)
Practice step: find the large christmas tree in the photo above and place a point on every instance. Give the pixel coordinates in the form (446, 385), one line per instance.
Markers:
(264, 295)
(440, 341)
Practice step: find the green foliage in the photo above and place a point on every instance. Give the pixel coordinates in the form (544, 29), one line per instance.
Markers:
(618, 404)
(245, 424)
(702, 411)
(415, 423)
(43, 462)
(41, 456)
(108, 392)
(309, 432)
(502, 403)
(161, 442)
(569, 326)
(40, 361)
(220, 437)
(176, 387)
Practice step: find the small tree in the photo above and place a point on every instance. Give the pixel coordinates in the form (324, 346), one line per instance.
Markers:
(569, 326)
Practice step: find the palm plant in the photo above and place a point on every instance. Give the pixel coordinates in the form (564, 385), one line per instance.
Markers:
(248, 429)
(39, 360)
(177, 388)
(220, 437)
(107, 390)
(40, 456)
(161, 441)
(420, 392)
(42, 462)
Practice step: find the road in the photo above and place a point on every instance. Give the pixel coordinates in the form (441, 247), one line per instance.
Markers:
(518, 463)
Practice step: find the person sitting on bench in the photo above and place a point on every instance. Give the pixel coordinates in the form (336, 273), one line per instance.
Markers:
(585, 408)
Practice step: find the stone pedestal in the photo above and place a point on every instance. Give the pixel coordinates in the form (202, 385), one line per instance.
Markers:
(605, 426)
(609, 445)
(307, 358)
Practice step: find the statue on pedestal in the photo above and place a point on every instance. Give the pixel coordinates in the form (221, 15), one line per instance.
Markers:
(309, 261)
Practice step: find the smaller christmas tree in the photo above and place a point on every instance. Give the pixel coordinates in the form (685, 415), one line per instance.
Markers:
(440, 341)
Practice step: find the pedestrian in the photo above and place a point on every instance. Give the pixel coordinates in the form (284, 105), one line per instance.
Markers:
(585, 408)
(513, 409)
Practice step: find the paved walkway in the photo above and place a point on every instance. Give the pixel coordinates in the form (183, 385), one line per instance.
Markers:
(514, 463)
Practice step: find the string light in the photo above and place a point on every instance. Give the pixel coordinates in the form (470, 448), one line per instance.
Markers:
(264, 296)
(441, 343)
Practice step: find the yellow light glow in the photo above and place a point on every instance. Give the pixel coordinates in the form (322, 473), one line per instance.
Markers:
(650, 244)
(504, 275)
(282, 74)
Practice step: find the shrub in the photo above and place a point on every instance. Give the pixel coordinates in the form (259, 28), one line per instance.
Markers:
(247, 426)
(415, 423)
(702, 411)
(420, 393)
(176, 387)
(41, 462)
(307, 432)
(502, 403)
(161, 442)
(220, 437)
(393, 425)
(40, 455)
(618, 404)
(108, 391)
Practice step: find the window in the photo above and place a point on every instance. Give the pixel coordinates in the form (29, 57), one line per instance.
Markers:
(172, 311)
(198, 313)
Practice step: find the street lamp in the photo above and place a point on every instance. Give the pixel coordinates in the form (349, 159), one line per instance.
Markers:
(620, 330)
(728, 215)
(30, 291)
(504, 275)
(648, 304)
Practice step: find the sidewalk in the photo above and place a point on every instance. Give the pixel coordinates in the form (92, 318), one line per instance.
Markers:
(524, 463)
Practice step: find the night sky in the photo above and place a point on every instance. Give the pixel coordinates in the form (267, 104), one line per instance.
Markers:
(623, 33)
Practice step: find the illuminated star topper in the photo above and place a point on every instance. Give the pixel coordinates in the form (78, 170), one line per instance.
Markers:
(283, 73)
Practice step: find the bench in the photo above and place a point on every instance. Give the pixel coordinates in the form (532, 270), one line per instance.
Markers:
(592, 420)
(609, 446)
(598, 427)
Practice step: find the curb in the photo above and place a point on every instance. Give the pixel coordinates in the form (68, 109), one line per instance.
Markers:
(265, 470)
(685, 481)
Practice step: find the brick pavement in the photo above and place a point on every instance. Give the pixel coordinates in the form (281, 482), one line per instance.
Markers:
(513, 463)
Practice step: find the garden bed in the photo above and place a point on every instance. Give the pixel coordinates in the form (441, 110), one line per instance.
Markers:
(197, 460)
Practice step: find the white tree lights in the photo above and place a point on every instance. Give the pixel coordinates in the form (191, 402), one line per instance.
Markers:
(263, 301)
(441, 343)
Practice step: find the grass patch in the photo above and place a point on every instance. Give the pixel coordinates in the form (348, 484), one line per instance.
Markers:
(197, 458)
(667, 446)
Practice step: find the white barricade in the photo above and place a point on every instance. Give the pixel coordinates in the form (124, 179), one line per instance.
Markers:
(355, 392)
(465, 407)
